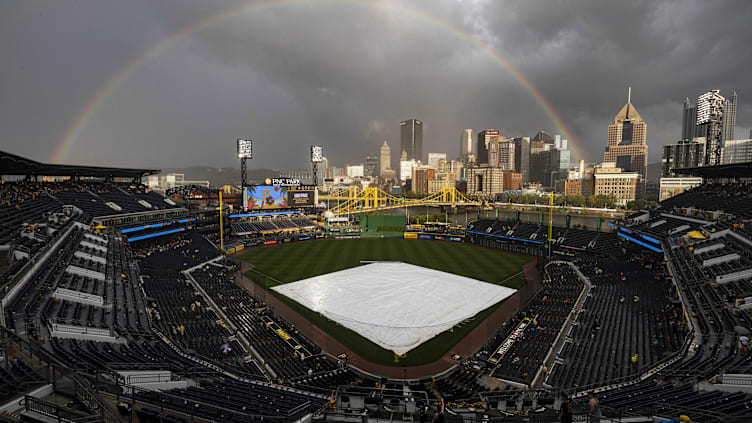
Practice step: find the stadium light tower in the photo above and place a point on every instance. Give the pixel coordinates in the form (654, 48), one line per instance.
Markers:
(317, 156)
(245, 152)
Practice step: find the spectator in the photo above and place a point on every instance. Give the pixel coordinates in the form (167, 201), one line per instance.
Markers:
(565, 414)
(595, 409)
(744, 343)
(439, 416)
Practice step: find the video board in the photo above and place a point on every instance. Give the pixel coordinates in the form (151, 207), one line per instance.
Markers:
(301, 196)
(267, 197)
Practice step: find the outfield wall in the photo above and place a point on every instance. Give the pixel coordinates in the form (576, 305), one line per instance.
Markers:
(434, 236)
(382, 223)
(381, 234)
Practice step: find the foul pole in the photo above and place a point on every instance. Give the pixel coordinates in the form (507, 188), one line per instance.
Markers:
(550, 222)
(221, 228)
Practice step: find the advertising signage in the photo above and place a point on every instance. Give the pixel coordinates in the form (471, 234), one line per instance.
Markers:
(266, 197)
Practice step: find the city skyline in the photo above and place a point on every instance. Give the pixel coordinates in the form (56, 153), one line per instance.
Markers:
(187, 79)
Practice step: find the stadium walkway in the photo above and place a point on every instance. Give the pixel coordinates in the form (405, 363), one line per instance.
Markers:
(466, 347)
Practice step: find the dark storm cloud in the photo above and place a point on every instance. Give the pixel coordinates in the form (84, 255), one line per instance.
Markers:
(343, 75)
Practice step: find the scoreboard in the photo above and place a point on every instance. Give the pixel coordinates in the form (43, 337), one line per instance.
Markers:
(266, 197)
(302, 196)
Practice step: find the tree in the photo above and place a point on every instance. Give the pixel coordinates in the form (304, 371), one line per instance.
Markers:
(637, 204)
(421, 218)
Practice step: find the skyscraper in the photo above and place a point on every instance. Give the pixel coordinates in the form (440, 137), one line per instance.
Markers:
(433, 159)
(452, 166)
(684, 154)
(406, 169)
(550, 164)
(504, 157)
(710, 111)
(544, 136)
(421, 176)
(386, 158)
(689, 121)
(737, 151)
(522, 157)
(355, 171)
(371, 166)
(485, 141)
(627, 140)
(487, 181)
(540, 167)
(411, 138)
(560, 161)
(714, 119)
(729, 118)
(468, 148)
(539, 142)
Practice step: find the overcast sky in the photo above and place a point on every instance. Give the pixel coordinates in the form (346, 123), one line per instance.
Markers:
(343, 74)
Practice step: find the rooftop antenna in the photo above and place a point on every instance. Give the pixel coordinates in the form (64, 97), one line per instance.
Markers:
(629, 100)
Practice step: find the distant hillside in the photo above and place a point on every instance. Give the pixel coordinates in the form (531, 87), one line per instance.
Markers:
(222, 175)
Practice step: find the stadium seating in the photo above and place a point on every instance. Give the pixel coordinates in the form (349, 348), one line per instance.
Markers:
(729, 198)
(261, 226)
(176, 252)
(17, 378)
(246, 312)
(581, 240)
(461, 384)
(549, 310)
(716, 316)
(630, 313)
(123, 313)
(143, 193)
(233, 401)
(675, 399)
(163, 319)
(182, 314)
(28, 202)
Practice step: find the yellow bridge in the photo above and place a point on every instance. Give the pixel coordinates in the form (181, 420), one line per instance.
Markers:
(353, 200)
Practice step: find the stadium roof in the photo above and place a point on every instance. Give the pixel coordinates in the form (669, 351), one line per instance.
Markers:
(732, 170)
(11, 164)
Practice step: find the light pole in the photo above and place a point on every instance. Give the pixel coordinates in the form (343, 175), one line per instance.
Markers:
(245, 151)
(317, 156)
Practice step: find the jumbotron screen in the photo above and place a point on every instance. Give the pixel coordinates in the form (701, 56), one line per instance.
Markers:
(278, 197)
(301, 196)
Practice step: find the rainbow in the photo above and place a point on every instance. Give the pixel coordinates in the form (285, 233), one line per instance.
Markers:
(60, 152)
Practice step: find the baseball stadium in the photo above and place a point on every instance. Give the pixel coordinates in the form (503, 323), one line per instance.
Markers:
(278, 301)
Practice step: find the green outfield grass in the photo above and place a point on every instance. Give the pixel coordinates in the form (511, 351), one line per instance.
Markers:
(274, 265)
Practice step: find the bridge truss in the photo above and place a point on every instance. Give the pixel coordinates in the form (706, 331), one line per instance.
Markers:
(353, 200)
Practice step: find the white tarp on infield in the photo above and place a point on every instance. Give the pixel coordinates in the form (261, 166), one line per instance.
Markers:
(397, 306)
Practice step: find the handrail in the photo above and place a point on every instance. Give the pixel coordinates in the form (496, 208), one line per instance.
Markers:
(90, 399)
(21, 273)
(146, 398)
(50, 409)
